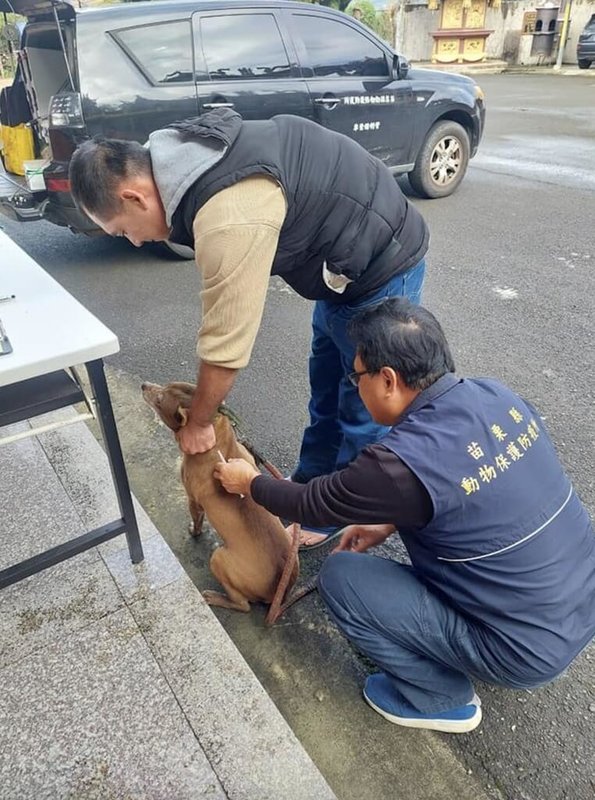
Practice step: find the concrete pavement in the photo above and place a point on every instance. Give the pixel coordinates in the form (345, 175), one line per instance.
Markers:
(117, 680)
(494, 66)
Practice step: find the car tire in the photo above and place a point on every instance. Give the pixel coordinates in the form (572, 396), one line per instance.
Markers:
(442, 161)
(173, 251)
(584, 63)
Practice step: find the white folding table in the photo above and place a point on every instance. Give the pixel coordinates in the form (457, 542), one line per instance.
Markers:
(51, 333)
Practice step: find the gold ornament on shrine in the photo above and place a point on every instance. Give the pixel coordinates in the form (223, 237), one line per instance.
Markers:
(462, 33)
(434, 5)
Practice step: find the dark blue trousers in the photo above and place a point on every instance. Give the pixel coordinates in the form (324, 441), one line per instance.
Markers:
(426, 647)
(340, 426)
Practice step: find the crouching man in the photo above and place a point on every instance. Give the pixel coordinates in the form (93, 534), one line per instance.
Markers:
(501, 586)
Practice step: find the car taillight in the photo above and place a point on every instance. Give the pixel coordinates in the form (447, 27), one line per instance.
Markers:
(66, 111)
(57, 184)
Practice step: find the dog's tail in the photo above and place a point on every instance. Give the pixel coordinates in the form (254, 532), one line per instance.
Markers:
(277, 607)
(281, 603)
(296, 594)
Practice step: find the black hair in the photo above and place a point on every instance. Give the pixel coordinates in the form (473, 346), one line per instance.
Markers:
(399, 334)
(97, 168)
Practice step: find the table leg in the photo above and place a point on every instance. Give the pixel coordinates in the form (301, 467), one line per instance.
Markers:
(107, 423)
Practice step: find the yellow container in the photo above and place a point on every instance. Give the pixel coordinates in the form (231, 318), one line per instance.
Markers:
(17, 147)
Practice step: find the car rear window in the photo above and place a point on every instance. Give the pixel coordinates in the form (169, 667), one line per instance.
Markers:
(338, 50)
(243, 47)
(163, 51)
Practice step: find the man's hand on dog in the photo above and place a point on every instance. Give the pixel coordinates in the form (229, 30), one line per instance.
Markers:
(194, 438)
(236, 475)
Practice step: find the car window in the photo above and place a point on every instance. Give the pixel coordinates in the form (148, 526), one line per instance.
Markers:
(243, 47)
(338, 50)
(163, 51)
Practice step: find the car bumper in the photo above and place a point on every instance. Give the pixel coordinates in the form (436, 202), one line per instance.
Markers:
(585, 51)
(479, 119)
(24, 206)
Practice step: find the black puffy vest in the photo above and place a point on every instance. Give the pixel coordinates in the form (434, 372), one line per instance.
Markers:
(343, 205)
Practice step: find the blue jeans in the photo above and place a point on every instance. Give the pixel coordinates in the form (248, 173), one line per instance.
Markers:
(340, 425)
(428, 649)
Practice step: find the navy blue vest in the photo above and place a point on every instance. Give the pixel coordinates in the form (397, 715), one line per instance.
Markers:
(509, 544)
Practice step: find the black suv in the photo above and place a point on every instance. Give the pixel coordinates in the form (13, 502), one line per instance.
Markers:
(585, 49)
(126, 70)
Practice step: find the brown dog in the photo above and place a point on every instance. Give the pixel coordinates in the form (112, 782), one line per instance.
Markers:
(256, 548)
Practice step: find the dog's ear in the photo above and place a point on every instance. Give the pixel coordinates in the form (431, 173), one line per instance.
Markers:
(182, 415)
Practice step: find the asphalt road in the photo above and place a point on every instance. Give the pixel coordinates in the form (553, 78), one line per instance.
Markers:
(512, 277)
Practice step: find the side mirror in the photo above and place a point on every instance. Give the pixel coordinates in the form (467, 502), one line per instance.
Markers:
(400, 67)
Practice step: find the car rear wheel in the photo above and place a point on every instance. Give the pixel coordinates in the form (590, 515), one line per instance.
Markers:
(442, 160)
(584, 63)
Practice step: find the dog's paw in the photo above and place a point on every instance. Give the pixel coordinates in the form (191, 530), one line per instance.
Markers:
(223, 601)
(193, 529)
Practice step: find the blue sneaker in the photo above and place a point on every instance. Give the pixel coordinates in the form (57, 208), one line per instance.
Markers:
(381, 695)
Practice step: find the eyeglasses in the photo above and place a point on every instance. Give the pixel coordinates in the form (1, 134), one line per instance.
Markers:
(354, 377)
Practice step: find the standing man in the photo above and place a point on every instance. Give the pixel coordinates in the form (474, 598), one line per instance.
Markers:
(284, 197)
(501, 586)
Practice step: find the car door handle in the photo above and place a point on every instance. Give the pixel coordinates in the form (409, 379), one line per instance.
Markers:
(217, 105)
(326, 101)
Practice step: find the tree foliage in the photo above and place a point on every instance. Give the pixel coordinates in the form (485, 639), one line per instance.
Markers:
(363, 10)
(380, 21)
(9, 42)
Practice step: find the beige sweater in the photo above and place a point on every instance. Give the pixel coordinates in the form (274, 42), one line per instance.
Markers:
(235, 239)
